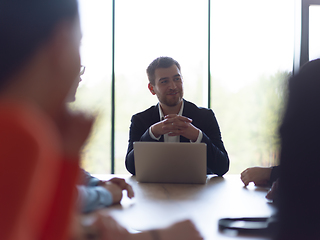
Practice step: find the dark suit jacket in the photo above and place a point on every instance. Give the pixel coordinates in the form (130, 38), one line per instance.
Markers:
(202, 118)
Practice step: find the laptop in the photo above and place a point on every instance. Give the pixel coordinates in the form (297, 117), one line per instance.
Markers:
(164, 162)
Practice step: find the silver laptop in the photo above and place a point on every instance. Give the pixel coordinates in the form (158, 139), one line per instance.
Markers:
(163, 162)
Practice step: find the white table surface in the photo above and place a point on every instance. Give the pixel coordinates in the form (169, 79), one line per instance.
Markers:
(159, 205)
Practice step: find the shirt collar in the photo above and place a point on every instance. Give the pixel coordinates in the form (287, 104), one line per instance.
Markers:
(161, 113)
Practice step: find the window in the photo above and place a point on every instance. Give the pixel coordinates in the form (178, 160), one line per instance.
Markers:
(309, 47)
(314, 32)
(251, 59)
(251, 56)
(146, 30)
(94, 91)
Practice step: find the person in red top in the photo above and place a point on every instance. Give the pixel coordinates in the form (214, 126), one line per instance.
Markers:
(39, 139)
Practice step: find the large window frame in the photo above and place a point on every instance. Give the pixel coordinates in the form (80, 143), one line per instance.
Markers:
(300, 52)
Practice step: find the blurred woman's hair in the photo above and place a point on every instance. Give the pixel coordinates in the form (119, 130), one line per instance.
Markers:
(299, 185)
(25, 25)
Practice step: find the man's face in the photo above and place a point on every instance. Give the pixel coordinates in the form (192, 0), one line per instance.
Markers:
(168, 86)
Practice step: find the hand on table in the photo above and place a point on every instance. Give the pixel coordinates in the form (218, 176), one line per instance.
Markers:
(98, 226)
(176, 125)
(184, 230)
(115, 186)
(259, 175)
(101, 226)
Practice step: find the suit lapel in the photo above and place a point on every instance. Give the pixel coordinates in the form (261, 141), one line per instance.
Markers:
(155, 114)
(185, 113)
(187, 110)
(156, 118)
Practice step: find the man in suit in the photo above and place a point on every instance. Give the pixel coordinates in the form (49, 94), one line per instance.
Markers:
(174, 119)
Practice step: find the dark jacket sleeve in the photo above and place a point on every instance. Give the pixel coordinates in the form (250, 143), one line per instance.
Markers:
(217, 156)
(275, 173)
(139, 131)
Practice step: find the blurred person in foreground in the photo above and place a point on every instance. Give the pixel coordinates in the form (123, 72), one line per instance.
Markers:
(40, 139)
(298, 185)
(93, 193)
(299, 181)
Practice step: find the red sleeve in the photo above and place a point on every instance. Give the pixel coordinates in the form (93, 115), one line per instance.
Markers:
(59, 216)
(37, 186)
(18, 160)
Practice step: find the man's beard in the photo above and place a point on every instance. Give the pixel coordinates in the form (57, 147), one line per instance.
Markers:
(172, 102)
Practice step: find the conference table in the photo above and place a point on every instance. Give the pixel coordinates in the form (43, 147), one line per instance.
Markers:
(158, 205)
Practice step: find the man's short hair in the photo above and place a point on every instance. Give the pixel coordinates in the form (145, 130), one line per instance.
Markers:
(160, 62)
(25, 25)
